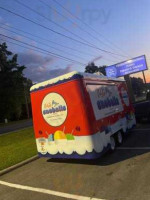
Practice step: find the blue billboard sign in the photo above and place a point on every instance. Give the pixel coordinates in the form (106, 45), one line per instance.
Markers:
(128, 67)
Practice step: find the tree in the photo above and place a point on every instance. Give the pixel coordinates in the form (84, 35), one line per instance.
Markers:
(11, 85)
(102, 69)
(92, 68)
(138, 86)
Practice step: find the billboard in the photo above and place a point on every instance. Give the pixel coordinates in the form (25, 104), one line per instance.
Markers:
(127, 67)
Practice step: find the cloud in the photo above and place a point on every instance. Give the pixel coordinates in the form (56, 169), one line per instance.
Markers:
(31, 58)
(41, 73)
(39, 68)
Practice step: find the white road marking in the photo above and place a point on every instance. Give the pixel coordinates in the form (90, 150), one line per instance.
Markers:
(136, 148)
(46, 191)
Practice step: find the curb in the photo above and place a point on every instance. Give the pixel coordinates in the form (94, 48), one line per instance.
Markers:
(9, 169)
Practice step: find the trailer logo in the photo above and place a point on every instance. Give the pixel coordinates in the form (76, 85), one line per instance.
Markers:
(103, 91)
(125, 97)
(106, 98)
(54, 109)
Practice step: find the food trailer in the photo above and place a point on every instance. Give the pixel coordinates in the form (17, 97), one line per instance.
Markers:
(80, 115)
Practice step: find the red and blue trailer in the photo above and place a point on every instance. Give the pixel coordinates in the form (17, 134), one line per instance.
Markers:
(80, 115)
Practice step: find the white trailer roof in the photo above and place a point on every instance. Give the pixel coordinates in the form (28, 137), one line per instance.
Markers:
(69, 76)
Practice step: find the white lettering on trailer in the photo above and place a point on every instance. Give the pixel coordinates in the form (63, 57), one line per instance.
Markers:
(54, 109)
(105, 100)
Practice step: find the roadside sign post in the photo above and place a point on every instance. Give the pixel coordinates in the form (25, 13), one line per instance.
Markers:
(124, 69)
(144, 77)
(130, 89)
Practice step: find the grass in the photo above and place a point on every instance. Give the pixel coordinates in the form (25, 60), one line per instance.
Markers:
(13, 122)
(16, 147)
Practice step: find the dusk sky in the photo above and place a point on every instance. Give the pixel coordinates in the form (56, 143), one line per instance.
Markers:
(120, 27)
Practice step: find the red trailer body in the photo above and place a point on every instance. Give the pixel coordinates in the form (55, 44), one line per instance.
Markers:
(76, 115)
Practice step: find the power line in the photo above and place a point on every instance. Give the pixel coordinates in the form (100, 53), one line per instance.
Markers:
(52, 42)
(66, 29)
(24, 46)
(96, 38)
(76, 17)
(24, 5)
(44, 26)
(53, 54)
(47, 40)
(58, 32)
(39, 42)
(29, 47)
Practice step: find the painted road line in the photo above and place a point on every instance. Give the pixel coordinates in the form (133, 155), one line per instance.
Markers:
(46, 191)
(135, 148)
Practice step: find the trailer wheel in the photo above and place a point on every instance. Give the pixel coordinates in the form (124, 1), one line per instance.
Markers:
(119, 137)
(112, 143)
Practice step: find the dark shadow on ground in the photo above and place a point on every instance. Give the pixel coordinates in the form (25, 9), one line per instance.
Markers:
(135, 143)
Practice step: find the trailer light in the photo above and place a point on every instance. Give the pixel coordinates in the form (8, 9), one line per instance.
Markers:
(78, 128)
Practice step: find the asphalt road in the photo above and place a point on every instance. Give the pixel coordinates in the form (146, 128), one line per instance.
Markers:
(16, 126)
(123, 174)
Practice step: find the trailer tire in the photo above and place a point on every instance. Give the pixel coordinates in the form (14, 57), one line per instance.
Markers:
(112, 143)
(119, 138)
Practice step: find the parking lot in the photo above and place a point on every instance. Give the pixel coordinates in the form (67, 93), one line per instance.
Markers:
(123, 174)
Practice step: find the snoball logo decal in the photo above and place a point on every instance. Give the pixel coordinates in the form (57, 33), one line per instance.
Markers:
(54, 109)
(125, 96)
(107, 98)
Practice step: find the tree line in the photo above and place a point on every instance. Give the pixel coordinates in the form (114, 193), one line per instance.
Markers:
(92, 68)
(14, 87)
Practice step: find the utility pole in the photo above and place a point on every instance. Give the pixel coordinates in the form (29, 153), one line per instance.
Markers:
(130, 89)
(144, 77)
